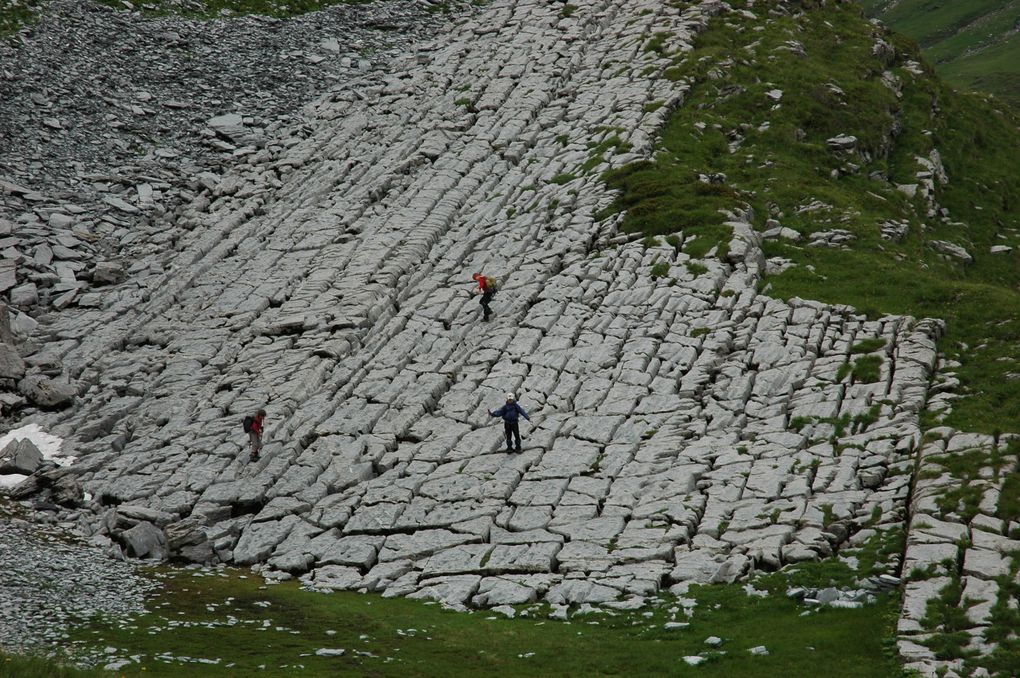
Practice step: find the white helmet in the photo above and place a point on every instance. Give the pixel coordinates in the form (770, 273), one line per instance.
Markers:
(510, 396)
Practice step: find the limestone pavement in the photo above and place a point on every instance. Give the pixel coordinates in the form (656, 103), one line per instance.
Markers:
(687, 428)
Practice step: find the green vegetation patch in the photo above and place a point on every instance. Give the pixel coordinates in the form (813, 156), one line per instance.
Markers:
(866, 370)
(597, 152)
(660, 270)
(868, 346)
(40, 667)
(773, 157)
(16, 14)
(250, 629)
(973, 44)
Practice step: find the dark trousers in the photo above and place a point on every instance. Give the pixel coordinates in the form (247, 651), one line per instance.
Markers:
(512, 430)
(485, 301)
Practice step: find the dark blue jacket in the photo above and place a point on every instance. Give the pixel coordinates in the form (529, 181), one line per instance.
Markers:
(510, 412)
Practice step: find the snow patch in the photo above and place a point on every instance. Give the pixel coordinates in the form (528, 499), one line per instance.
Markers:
(49, 445)
(11, 480)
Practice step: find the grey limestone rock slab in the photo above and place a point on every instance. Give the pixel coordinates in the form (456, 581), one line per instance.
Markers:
(356, 551)
(456, 590)
(20, 456)
(333, 577)
(144, 540)
(11, 364)
(579, 591)
(704, 568)
(259, 540)
(421, 544)
(46, 392)
(985, 564)
(130, 514)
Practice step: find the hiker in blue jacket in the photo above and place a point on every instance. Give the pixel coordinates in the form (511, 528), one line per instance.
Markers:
(510, 413)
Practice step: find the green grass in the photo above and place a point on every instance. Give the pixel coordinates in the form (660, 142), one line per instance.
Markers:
(776, 170)
(866, 370)
(660, 270)
(12, 666)
(973, 44)
(191, 618)
(564, 178)
(15, 14)
(868, 346)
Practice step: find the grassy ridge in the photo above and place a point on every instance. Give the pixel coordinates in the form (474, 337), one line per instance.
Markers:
(762, 107)
(776, 160)
(974, 44)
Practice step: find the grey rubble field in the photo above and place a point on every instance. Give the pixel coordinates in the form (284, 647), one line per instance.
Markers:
(50, 582)
(687, 427)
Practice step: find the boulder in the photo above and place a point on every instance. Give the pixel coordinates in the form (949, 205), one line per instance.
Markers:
(184, 532)
(843, 142)
(20, 456)
(107, 273)
(25, 295)
(46, 392)
(8, 274)
(952, 250)
(188, 540)
(7, 330)
(230, 126)
(144, 540)
(67, 491)
(11, 364)
(129, 515)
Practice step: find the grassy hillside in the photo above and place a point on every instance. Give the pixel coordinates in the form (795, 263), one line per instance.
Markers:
(763, 116)
(777, 160)
(973, 44)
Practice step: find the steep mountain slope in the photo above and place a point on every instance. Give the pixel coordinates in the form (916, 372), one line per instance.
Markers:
(973, 44)
(708, 407)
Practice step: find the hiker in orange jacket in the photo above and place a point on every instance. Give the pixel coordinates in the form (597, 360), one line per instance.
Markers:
(254, 427)
(486, 288)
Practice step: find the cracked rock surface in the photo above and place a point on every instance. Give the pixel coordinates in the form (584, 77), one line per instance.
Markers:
(686, 428)
(112, 122)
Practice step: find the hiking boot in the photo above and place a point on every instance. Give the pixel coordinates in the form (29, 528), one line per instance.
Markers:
(518, 450)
